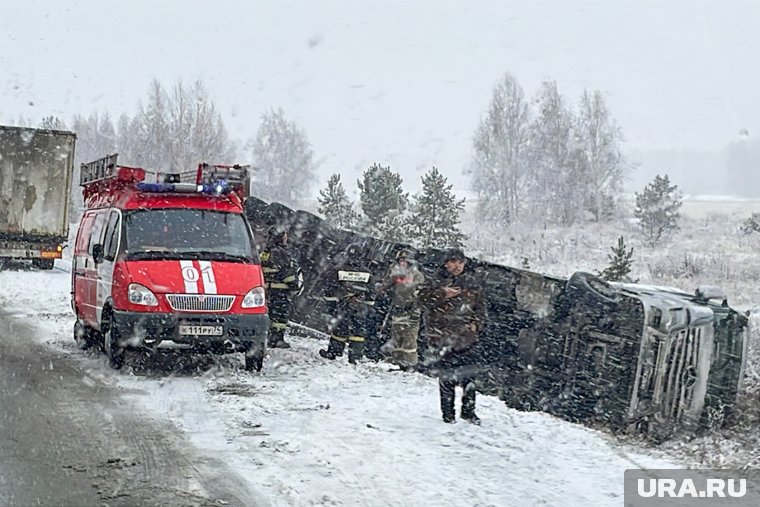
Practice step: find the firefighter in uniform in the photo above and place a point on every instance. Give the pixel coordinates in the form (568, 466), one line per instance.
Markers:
(404, 279)
(283, 280)
(349, 296)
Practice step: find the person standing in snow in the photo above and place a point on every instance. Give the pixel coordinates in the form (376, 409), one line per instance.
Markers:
(455, 314)
(347, 291)
(282, 277)
(404, 279)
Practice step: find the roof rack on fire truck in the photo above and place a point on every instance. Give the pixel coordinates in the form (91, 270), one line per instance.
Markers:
(218, 179)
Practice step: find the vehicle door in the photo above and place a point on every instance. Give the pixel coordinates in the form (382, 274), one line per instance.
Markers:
(108, 250)
(90, 306)
(82, 267)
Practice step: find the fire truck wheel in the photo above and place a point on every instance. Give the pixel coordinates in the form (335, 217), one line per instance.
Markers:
(85, 336)
(114, 353)
(254, 362)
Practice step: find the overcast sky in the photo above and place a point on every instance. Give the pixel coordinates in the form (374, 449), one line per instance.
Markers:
(398, 82)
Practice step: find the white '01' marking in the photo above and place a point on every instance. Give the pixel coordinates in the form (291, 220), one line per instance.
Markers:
(209, 280)
(191, 276)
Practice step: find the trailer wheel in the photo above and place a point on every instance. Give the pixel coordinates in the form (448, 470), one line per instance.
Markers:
(43, 263)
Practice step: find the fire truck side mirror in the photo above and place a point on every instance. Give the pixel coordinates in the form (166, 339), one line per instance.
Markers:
(97, 253)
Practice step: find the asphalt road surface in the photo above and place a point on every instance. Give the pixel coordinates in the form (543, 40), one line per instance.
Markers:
(67, 439)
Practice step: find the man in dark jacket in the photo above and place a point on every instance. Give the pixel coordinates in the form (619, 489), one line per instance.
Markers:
(347, 291)
(283, 281)
(455, 313)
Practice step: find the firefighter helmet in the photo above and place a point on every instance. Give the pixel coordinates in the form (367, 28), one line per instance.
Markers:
(353, 250)
(404, 254)
(277, 235)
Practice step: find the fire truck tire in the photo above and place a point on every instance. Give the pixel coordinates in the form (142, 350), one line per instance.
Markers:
(85, 336)
(114, 353)
(254, 356)
(254, 362)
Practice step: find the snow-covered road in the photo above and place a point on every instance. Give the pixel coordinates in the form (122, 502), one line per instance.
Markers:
(305, 431)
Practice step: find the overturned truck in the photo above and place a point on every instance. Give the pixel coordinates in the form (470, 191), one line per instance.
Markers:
(629, 356)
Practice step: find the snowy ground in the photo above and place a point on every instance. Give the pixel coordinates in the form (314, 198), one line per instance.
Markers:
(309, 432)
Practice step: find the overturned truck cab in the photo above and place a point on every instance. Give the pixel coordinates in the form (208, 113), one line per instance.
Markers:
(645, 358)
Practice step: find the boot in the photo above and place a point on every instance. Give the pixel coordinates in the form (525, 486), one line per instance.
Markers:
(468, 404)
(327, 354)
(355, 351)
(334, 349)
(280, 344)
(447, 388)
(277, 340)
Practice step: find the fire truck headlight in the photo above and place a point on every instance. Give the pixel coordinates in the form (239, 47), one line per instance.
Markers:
(141, 295)
(254, 299)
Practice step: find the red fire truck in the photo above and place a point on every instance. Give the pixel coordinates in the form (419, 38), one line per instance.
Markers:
(167, 260)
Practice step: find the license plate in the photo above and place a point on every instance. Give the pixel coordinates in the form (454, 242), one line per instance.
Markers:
(201, 330)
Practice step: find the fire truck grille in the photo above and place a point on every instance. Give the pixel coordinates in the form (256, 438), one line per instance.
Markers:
(200, 302)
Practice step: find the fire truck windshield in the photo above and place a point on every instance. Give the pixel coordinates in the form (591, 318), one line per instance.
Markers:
(181, 233)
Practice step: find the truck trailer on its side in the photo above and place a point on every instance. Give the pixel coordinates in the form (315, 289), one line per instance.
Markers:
(36, 168)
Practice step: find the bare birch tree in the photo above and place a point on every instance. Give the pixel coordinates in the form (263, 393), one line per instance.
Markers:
(599, 139)
(500, 149)
(283, 158)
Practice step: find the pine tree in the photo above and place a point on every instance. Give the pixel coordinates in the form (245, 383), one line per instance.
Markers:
(621, 260)
(383, 203)
(335, 206)
(657, 209)
(434, 222)
(750, 225)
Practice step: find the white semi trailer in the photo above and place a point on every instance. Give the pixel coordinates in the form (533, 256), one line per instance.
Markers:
(36, 168)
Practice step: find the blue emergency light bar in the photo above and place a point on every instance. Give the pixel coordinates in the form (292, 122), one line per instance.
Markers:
(219, 187)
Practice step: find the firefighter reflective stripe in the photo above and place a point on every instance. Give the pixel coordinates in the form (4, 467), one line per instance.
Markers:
(406, 319)
(357, 339)
(330, 298)
(190, 276)
(338, 338)
(353, 276)
(290, 279)
(277, 285)
(270, 270)
(279, 325)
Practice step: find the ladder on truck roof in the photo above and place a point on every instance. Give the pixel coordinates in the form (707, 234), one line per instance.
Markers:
(98, 170)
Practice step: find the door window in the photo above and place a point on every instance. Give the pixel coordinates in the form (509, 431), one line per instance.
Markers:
(112, 233)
